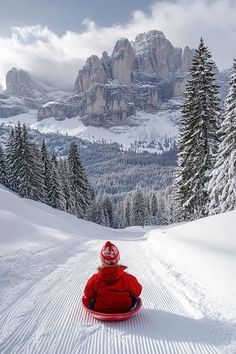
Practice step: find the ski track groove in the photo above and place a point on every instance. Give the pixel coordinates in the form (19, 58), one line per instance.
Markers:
(54, 321)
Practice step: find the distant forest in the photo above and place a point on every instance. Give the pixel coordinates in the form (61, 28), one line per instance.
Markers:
(115, 173)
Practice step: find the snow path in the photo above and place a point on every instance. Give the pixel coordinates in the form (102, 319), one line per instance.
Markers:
(48, 318)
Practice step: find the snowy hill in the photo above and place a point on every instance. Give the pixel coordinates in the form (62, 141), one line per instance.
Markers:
(46, 256)
(148, 132)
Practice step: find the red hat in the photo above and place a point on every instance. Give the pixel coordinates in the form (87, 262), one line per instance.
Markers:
(110, 254)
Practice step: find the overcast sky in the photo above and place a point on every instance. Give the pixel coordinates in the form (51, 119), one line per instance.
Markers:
(52, 38)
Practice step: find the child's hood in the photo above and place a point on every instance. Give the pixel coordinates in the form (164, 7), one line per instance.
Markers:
(111, 272)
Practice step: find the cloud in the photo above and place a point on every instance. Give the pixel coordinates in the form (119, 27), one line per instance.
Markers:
(57, 59)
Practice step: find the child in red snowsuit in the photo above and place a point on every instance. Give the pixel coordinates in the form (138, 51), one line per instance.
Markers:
(112, 290)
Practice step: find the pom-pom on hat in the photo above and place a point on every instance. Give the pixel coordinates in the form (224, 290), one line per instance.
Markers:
(110, 254)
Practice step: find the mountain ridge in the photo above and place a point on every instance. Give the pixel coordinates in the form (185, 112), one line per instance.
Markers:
(125, 96)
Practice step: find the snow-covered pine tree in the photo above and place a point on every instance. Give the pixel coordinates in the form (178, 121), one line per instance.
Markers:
(153, 208)
(198, 137)
(13, 158)
(106, 223)
(8, 158)
(118, 214)
(138, 208)
(127, 211)
(31, 180)
(79, 181)
(161, 214)
(56, 196)
(3, 177)
(170, 205)
(222, 186)
(108, 210)
(47, 169)
(147, 213)
(100, 217)
(91, 209)
(63, 170)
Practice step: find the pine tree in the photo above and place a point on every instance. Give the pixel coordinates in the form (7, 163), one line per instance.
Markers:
(66, 186)
(222, 186)
(56, 196)
(8, 159)
(100, 217)
(153, 208)
(31, 181)
(198, 139)
(3, 177)
(170, 205)
(13, 158)
(79, 182)
(138, 208)
(107, 205)
(127, 212)
(161, 213)
(46, 169)
(147, 210)
(91, 211)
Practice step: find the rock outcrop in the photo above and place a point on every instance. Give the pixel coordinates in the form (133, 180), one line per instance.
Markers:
(122, 61)
(102, 105)
(138, 75)
(186, 59)
(91, 74)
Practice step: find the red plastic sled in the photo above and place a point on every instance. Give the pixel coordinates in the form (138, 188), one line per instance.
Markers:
(112, 316)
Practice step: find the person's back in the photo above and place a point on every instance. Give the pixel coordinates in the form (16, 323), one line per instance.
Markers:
(112, 290)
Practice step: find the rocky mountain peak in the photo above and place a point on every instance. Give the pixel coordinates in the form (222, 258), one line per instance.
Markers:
(19, 83)
(122, 45)
(122, 61)
(105, 56)
(92, 73)
(149, 39)
(155, 55)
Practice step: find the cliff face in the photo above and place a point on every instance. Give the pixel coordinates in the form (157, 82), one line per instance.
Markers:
(138, 75)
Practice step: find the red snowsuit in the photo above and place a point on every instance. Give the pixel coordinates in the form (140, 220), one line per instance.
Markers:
(113, 289)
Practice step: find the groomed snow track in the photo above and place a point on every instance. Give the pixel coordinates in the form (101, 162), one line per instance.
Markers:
(49, 318)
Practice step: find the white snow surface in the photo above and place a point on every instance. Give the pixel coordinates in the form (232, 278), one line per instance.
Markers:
(46, 256)
(148, 131)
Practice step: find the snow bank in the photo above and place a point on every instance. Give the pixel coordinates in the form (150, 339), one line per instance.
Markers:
(35, 239)
(28, 224)
(201, 257)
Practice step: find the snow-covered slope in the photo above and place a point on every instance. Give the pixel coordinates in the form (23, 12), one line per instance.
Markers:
(150, 132)
(46, 256)
(203, 252)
